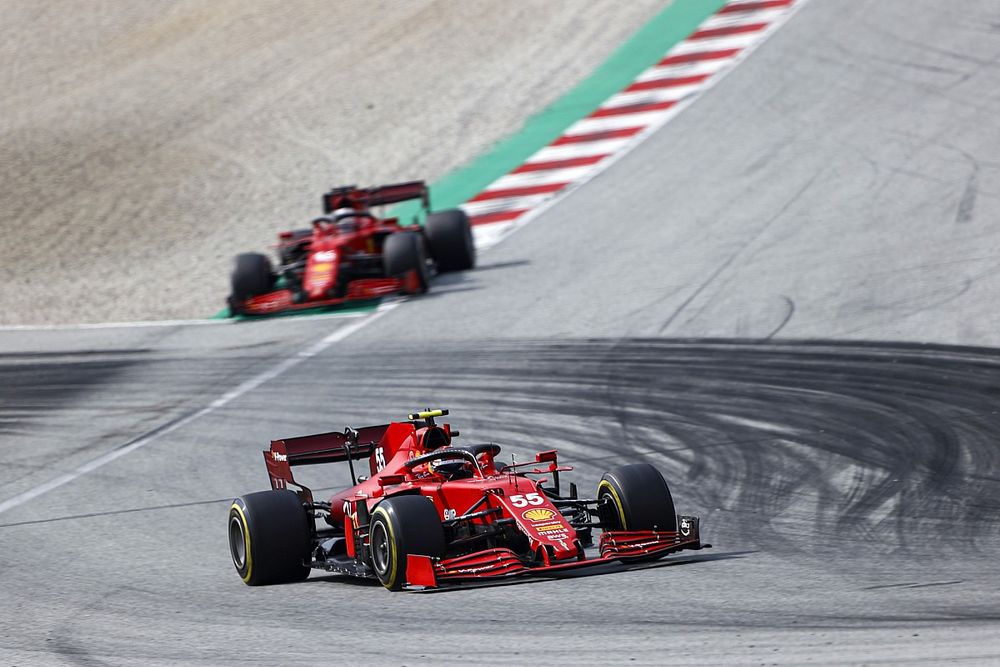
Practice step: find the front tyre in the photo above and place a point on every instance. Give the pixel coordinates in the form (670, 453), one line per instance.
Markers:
(449, 239)
(402, 526)
(636, 497)
(252, 276)
(403, 253)
(269, 537)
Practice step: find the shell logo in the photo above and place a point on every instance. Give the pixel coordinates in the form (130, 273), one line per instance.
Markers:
(538, 514)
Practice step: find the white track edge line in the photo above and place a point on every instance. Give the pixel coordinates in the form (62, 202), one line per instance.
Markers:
(243, 388)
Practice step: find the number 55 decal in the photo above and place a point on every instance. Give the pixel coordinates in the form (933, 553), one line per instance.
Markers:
(526, 499)
(379, 458)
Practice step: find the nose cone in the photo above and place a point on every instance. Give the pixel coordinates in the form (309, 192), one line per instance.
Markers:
(549, 527)
(321, 272)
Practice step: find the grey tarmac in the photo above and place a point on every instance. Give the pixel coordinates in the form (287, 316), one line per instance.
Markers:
(784, 300)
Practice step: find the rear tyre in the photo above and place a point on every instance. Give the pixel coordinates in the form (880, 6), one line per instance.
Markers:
(402, 253)
(402, 526)
(269, 538)
(637, 498)
(449, 239)
(252, 276)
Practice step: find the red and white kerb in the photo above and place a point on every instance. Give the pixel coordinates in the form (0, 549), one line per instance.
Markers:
(624, 120)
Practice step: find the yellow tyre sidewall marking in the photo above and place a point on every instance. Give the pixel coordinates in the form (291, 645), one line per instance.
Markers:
(605, 484)
(393, 560)
(246, 541)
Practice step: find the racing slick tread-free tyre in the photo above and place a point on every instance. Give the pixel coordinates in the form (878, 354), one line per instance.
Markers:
(640, 498)
(404, 252)
(401, 526)
(449, 239)
(269, 537)
(251, 276)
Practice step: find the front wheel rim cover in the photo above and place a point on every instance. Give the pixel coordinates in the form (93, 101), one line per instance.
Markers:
(380, 548)
(237, 542)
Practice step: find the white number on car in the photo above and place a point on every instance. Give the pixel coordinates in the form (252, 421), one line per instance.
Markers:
(379, 458)
(526, 499)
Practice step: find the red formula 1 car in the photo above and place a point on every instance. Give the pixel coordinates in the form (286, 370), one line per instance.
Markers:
(353, 255)
(433, 513)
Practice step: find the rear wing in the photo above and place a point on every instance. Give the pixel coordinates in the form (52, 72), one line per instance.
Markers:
(351, 196)
(333, 447)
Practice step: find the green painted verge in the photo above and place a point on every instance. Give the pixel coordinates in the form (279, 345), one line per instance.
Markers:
(647, 46)
(355, 307)
(675, 22)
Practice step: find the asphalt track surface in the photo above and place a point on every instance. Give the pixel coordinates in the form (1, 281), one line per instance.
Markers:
(784, 300)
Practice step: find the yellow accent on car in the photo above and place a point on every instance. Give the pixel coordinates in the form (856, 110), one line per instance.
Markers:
(605, 484)
(427, 414)
(538, 514)
(246, 541)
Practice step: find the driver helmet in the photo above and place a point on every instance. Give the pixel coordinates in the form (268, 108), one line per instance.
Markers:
(450, 469)
(346, 220)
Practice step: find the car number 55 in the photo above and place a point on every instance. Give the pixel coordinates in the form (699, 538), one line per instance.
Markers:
(526, 499)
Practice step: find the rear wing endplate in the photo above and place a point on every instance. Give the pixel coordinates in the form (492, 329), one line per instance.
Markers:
(333, 447)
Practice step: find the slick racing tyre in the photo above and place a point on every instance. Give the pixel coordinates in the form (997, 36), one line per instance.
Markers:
(402, 526)
(269, 537)
(449, 239)
(251, 276)
(636, 498)
(404, 252)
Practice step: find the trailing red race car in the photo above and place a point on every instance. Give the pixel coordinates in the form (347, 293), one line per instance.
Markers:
(353, 255)
(432, 513)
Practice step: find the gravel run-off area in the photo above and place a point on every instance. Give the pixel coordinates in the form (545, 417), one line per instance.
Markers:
(142, 145)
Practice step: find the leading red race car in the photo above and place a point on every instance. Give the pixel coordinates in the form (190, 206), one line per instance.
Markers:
(353, 255)
(433, 513)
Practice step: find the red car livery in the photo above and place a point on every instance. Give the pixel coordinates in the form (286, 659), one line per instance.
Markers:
(351, 254)
(432, 512)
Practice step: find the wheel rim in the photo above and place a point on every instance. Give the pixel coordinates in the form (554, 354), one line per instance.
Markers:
(610, 499)
(237, 542)
(380, 547)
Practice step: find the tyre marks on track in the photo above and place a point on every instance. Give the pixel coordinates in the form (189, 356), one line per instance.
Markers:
(271, 371)
(883, 448)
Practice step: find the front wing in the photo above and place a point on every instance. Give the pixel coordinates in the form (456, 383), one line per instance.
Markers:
(281, 300)
(614, 546)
